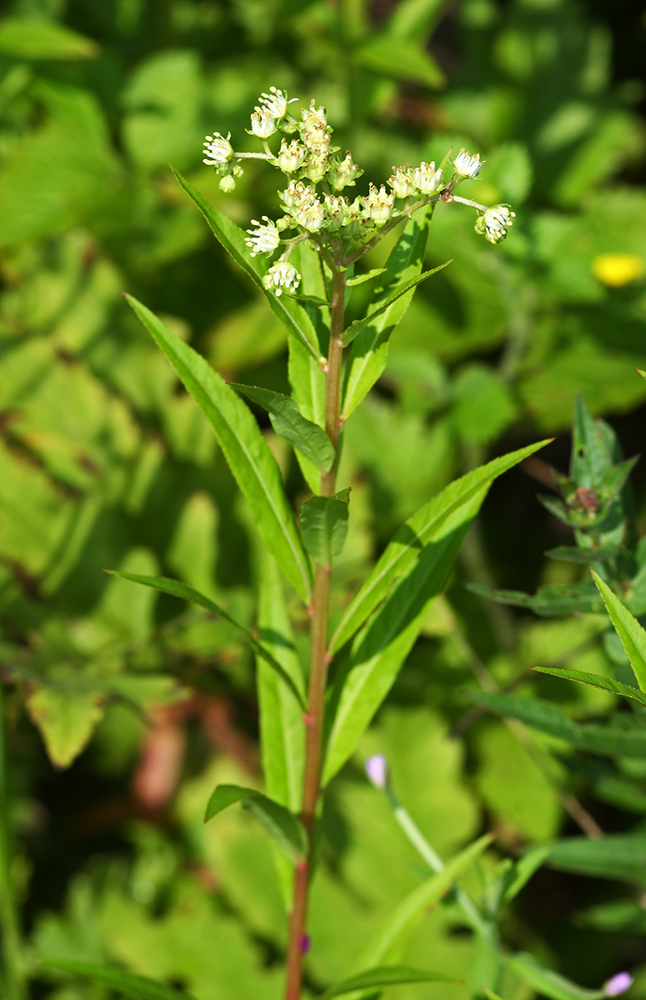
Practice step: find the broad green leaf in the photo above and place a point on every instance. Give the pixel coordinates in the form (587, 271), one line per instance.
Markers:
(548, 983)
(595, 680)
(369, 351)
(324, 526)
(426, 525)
(37, 38)
(388, 943)
(126, 983)
(385, 975)
(369, 668)
(611, 740)
(616, 855)
(186, 593)
(232, 238)
(66, 720)
(570, 553)
(632, 635)
(287, 420)
(522, 871)
(281, 720)
(405, 286)
(400, 59)
(244, 447)
(283, 827)
(553, 599)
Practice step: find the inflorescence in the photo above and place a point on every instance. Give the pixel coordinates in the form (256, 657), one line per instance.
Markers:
(324, 215)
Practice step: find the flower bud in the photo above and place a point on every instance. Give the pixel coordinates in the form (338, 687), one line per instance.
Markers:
(282, 275)
(291, 157)
(618, 984)
(494, 221)
(218, 150)
(377, 770)
(467, 166)
(426, 178)
(227, 184)
(379, 205)
(343, 174)
(262, 123)
(316, 167)
(335, 211)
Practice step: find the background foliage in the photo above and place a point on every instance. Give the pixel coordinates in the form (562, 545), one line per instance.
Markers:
(105, 463)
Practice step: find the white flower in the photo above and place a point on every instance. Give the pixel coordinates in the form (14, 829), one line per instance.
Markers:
(494, 221)
(262, 123)
(310, 217)
(218, 149)
(282, 275)
(467, 165)
(342, 174)
(291, 157)
(275, 102)
(379, 205)
(402, 182)
(426, 178)
(264, 239)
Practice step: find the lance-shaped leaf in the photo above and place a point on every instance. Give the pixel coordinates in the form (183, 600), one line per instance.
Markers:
(570, 553)
(553, 599)
(595, 680)
(608, 741)
(425, 526)
(389, 942)
(385, 975)
(590, 458)
(283, 827)
(616, 855)
(126, 983)
(359, 279)
(324, 526)
(288, 422)
(177, 589)
(232, 238)
(521, 871)
(632, 635)
(251, 462)
(401, 289)
(548, 983)
(369, 352)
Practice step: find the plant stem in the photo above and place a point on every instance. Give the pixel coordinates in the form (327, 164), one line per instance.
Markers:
(14, 979)
(319, 659)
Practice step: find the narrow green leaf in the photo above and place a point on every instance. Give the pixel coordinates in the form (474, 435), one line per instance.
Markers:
(549, 983)
(553, 599)
(632, 635)
(426, 525)
(126, 983)
(616, 855)
(288, 422)
(590, 458)
(366, 276)
(522, 871)
(324, 526)
(570, 553)
(405, 286)
(385, 975)
(285, 829)
(186, 593)
(307, 381)
(387, 945)
(369, 351)
(244, 447)
(611, 740)
(232, 238)
(595, 680)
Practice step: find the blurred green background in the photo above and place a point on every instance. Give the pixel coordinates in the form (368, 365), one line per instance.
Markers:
(105, 463)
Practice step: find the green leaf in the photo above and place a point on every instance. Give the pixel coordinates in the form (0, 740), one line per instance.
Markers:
(616, 856)
(632, 635)
(553, 599)
(244, 447)
(66, 721)
(611, 740)
(388, 943)
(548, 983)
(232, 238)
(385, 975)
(595, 680)
(426, 525)
(287, 420)
(522, 871)
(369, 352)
(400, 59)
(283, 827)
(590, 459)
(366, 276)
(36, 38)
(126, 983)
(186, 593)
(405, 286)
(307, 381)
(324, 526)
(570, 553)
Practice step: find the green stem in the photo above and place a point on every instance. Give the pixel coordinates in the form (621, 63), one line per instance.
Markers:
(319, 659)
(15, 985)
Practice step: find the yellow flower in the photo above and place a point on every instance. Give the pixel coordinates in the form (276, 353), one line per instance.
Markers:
(617, 269)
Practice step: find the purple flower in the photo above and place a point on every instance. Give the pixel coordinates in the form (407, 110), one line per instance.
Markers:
(377, 770)
(618, 984)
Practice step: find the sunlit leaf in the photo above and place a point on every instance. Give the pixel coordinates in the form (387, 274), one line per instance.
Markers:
(283, 827)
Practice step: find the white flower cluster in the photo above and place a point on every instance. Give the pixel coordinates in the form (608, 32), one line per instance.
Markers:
(494, 222)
